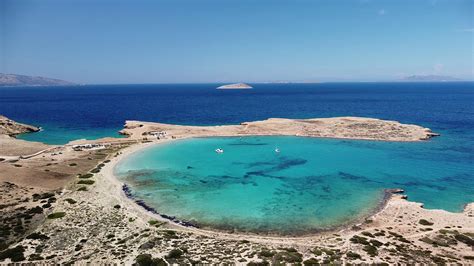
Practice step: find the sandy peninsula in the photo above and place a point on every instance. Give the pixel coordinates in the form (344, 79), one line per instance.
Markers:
(77, 212)
(339, 127)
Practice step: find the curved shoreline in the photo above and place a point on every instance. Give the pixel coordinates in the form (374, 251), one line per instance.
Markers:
(388, 195)
(154, 213)
(102, 226)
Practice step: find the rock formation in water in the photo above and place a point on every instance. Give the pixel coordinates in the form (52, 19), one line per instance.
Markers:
(235, 86)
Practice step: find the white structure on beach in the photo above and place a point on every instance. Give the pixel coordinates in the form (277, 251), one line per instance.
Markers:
(158, 134)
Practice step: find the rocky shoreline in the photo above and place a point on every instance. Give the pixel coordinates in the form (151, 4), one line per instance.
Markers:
(387, 195)
(128, 193)
(12, 128)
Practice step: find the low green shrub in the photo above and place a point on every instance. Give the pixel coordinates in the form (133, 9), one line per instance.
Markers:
(169, 234)
(148, 260)
(311, 261)
(266, 253)
(376, 243)
(317, 251)
(152, 222)
(86, 182)
(425, 222)
(37, 235)
(353, 255)
(70, 201)
(359, 240)
(88, 175)
(288, 257)
(174, 254)
(34, 257)
(56, 215)
(42, 196)
(289, 249)
(35, 210)
(365, 233)
(371, 250)
(15, 254)
(95, 170)
(465, 239)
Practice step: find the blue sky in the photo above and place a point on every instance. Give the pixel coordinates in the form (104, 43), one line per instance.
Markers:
(138, 41)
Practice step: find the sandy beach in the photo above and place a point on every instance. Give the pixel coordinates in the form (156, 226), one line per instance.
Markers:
(91, 220)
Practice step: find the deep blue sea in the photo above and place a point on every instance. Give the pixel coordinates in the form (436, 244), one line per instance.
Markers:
(67, 113)
(438, 172)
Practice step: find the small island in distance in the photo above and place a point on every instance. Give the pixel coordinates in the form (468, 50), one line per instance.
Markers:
(23, 80)
(234, 86)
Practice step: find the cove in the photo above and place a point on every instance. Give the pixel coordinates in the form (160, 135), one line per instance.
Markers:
(310, 185)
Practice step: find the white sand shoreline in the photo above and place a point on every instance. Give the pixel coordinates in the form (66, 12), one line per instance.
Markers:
(108, 173)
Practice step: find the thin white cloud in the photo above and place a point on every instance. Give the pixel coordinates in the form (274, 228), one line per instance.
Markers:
(467, 30)
(381, 12)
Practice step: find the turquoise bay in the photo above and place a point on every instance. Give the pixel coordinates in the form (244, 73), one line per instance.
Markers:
(311, 184)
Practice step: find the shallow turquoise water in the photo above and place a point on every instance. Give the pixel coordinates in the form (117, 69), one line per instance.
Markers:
(56, 135)
(311, 184)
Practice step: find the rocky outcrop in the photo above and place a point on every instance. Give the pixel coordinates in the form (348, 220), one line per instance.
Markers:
(12, 128)
(235, 86)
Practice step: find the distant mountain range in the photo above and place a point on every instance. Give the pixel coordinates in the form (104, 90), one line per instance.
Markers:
(429, 78)
(22, 80)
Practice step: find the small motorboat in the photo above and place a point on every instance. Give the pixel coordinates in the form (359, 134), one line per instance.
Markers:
(277, 150)
(219, 150)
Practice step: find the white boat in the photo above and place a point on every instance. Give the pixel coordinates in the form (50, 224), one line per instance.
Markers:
(277, 150)
(219, 150)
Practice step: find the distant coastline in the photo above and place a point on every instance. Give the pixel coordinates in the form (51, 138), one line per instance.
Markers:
(430, 78)
(14, 80)
(8, 81)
